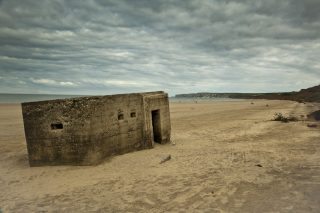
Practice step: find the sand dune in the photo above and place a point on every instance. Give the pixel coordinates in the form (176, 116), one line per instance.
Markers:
(227, 157)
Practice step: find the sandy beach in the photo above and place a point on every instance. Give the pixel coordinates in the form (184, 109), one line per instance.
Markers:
(225, 157)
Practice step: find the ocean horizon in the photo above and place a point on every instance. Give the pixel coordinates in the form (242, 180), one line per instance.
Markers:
(9, 98)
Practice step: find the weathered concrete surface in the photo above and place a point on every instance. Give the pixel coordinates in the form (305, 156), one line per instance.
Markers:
(84, 131)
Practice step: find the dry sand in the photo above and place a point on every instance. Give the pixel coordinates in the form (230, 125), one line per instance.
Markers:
(227, 157)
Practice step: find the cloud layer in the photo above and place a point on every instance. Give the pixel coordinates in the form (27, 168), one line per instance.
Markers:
(115, 46)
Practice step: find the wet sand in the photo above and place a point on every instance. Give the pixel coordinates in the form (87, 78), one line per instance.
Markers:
(225, 157)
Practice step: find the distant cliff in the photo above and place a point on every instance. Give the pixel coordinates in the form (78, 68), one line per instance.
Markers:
(305, 95)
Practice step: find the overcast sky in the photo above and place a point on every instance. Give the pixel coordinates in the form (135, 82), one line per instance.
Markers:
(115, 46)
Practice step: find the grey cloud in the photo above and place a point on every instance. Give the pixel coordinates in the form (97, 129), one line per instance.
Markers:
(178, 46)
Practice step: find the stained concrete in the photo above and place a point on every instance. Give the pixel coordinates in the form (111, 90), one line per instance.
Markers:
(86, 130)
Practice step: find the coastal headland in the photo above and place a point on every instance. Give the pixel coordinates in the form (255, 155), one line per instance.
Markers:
(311, 94)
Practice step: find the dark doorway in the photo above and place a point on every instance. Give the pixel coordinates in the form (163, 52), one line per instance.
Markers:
(156, 126)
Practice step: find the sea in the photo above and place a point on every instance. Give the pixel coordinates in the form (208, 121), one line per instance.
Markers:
(20, 98)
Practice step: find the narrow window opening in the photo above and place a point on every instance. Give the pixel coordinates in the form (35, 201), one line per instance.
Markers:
(133, 115)
(120, 116)
(57, 126)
